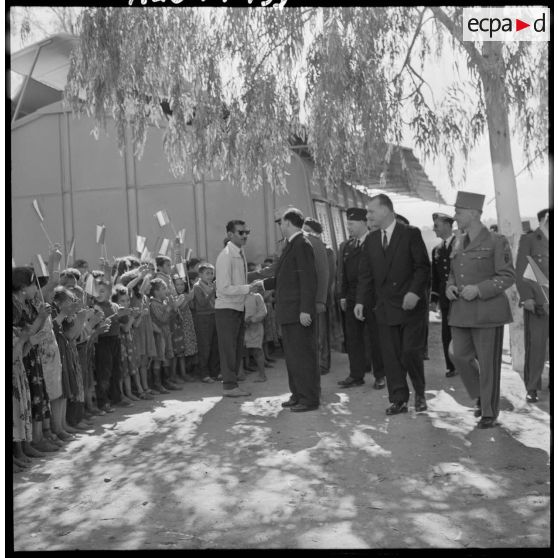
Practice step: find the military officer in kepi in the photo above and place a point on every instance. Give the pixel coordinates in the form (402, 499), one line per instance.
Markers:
(481, 271)
(440, 271)
(358, 333)
(533, 300)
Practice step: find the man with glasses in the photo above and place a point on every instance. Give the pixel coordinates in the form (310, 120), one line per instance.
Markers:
(231, 278)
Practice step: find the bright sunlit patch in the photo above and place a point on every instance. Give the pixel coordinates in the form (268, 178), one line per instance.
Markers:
(332, 535)
(458, 475)
(437, 530)
(448, 414)
(340, 407)
(532, 429)
(264, 406)
(361, 440)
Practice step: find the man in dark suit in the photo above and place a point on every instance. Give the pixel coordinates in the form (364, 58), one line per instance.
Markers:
(394, 265)
(440, 271)
(357, 330)
(295, 283)
(532, 298)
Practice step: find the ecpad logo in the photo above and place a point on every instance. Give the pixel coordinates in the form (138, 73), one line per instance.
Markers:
(506, 24)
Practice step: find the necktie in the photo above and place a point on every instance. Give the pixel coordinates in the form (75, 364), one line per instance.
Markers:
(385, 242)
(358, 243)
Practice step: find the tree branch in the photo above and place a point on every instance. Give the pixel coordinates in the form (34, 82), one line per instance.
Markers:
(469, 47)
(417, 31)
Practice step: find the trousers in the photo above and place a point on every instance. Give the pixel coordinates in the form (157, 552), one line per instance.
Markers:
(477, 355)
(230, 338)
(536, 344)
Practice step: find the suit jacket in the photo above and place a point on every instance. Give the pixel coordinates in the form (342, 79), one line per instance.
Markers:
(322, 267)
(440, 273)
(405, 267)
(295, 281)
(486, 263)
(534, 244)
(350, 263)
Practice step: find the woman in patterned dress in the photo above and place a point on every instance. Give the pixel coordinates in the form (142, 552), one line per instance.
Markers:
(30, 317)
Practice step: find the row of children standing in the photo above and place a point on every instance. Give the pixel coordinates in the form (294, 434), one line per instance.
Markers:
(109, 336)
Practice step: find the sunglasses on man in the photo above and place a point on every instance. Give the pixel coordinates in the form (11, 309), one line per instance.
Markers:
(243, 233)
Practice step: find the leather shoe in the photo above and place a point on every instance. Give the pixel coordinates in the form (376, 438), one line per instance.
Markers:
(235, 392)
(397, 408)
(379, 383)
(290, 403)
(486, 422)
(350, 382)
(420, 403)
(451, 373)
(477, 411)
(532, 397)
(300, 408)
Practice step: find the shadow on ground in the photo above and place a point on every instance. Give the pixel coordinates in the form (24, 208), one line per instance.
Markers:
(196, 470)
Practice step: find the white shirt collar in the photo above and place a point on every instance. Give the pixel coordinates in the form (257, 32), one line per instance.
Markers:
(389, 230)
(447, 241)
(363, 237)
(232, 246)
(293, 235)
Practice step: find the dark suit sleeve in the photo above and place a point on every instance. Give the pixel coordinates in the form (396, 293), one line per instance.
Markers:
(306, 268)
(365, 273)
(342, 276)
(421, 264)
(526, 288)
(435, 294)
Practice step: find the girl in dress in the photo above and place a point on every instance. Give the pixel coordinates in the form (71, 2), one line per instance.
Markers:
(31, 317)
(128, 362)
(21, 400)
(184, 343)
(138, 283)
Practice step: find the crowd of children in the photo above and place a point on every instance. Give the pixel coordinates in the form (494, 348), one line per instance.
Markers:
(84, 341)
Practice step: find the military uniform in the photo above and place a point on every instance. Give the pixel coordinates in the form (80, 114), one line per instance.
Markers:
(534, 244)
(477, 326)
(440, 273)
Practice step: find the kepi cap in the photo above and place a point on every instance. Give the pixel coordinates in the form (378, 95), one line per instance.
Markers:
(469, 200)
(443, 216)
(356, 214)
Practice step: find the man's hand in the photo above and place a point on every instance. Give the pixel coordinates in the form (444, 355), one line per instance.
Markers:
(320, 307)
(359, 312)
(55, 253)
(343, 304)
(256, 286)
(410, 301)
(529, 305)
(451, 292)
(43, 310)
(305, 319)
(470, 292)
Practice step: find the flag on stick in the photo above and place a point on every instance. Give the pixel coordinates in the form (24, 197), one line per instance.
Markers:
(189, 254)
(91, 285)
(38, 210)
(140, 243)
(534, 273)
(181, 236)
(41, 268)
(71, 252)
(162, 217)
(164, 247)
(145, 254)
(101, 229)
(180, 269)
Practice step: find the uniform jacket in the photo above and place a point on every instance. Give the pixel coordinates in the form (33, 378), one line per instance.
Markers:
(440, 272)
(295, 281)
(486, 263)
(349, 263)
(534, 244)
(405, 267)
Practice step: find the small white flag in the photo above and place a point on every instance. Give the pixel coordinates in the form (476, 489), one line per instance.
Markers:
(529, 273)
(101, 234)
(38, 210)
(539, 276)
(189, 254)
(145, 254)
(162, 217)
(180, 269)
(91, 285)
(140, 243)
(164, 247)
(71, 251)
(182, 236)
(41, 270)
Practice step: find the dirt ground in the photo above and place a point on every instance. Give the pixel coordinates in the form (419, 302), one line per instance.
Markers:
(196, 470)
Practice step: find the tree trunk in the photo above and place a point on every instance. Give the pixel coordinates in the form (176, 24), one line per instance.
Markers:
(507, 205)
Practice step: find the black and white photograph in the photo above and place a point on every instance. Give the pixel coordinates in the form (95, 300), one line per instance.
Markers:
(280, 276)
